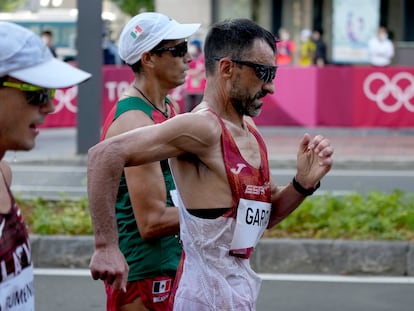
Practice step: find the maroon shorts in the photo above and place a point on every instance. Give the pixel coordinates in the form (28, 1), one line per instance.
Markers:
(153, 292)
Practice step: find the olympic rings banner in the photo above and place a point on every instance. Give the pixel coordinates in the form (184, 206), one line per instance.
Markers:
(337, 96)
(384, 97)
(341, 96)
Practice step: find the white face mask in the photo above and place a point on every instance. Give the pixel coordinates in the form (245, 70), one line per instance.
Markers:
(193, 50)
(284, 36)
(383, 36)
(46, 39)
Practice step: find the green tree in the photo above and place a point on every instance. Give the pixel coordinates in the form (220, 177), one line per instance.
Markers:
(10, 5)
(133, 7)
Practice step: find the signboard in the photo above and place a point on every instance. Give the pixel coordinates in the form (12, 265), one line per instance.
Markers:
(355, 22)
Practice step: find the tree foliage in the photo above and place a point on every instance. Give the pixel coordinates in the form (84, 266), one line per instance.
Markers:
(133, 7)
(10, 5)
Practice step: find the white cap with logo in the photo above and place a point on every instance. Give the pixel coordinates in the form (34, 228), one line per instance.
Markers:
(144, 31)
(25, 57)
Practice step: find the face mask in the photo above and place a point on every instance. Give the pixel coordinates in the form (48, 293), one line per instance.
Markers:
(46, 40)
(284, 36)
(193, 50)
(383, 36)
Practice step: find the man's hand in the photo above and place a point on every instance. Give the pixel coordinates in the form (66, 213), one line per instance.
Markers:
(314, 160)
(109, 264)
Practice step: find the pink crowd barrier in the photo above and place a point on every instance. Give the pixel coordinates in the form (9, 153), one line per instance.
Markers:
(332, 96)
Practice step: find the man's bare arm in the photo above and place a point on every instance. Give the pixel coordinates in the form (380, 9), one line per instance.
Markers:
(148, 194)
(191, 133)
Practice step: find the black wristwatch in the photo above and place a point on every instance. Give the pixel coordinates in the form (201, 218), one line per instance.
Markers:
(303, 191)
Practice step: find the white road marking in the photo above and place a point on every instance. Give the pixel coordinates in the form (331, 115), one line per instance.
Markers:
(49, 168)
(265, 277)
(338, 278)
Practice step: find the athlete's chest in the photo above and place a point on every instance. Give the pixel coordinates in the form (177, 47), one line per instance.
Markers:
(246, 148)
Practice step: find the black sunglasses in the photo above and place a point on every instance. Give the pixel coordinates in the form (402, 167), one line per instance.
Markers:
(178, 50)
(40, 98)
(35, 95)
(265, 73)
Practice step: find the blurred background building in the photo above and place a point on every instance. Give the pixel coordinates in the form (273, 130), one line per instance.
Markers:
(293, 15)
(296, 15)
(60, 17)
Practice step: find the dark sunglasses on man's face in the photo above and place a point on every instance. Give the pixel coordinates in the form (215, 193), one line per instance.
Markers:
(265, 73)
(35, 95)
(178, 50)
(40, 98)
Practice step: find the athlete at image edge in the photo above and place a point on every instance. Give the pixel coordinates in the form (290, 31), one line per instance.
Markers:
(193, 142)
(27, 82)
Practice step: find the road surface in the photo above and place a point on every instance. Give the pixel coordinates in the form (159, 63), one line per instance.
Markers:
(74, 290)
(53, 182)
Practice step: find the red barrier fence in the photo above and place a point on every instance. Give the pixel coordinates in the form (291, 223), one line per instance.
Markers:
(342, 96)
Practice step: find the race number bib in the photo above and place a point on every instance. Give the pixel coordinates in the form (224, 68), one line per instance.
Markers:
(252, 220)
(17, 293)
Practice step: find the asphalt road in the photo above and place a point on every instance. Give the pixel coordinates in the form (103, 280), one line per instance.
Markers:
(53, 182)
(74, 290)
(52, 169)
(361, 181)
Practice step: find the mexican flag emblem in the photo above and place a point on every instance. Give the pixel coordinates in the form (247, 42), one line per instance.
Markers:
(136, 31)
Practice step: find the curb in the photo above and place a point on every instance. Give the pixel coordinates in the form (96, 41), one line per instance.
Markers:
(342, 257)
(300, 256)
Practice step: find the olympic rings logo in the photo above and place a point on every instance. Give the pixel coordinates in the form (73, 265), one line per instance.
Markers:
(402, 97)
(63, 98)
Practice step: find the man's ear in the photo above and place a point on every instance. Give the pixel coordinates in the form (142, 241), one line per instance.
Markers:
(146, 59)
(225, 68)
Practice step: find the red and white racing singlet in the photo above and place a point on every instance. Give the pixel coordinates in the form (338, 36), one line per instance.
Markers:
(216, 274)
(16, 271)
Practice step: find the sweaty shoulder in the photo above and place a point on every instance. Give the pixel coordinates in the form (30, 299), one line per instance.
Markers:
(202, 126)
(129, 120)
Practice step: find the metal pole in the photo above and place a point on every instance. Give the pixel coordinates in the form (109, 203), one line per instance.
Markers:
(89, 46)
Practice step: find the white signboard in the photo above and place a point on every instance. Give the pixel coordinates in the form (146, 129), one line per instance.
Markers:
(355, 22)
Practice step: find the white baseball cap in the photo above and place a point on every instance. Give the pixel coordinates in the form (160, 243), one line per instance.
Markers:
(144, 31)
(25, 57)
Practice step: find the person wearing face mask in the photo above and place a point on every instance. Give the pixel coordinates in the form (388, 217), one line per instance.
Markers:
(307, 48)
(285, 48)
(196, 79)
(381, 49)
(320, 53)
(47, 37)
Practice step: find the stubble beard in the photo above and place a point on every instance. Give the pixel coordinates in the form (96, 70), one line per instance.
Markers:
(243, 103)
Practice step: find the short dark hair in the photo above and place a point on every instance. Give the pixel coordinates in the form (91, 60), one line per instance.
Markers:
(47, 32)
(320, 30)
(137, 67)
(233, 38)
